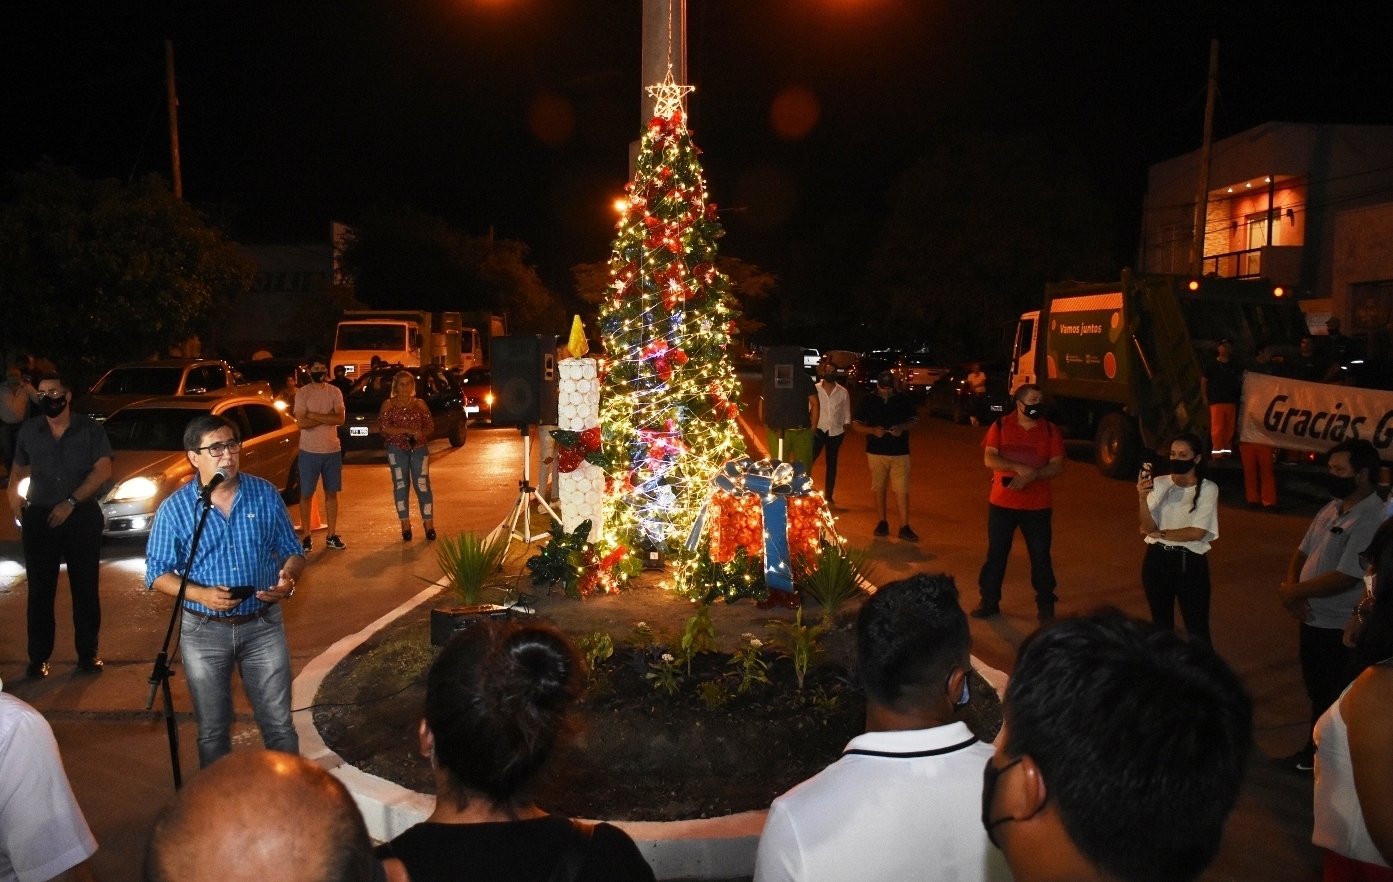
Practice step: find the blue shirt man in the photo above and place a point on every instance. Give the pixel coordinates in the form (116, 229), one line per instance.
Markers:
(247, 543)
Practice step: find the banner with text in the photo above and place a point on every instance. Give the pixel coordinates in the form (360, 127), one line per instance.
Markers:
(1296, 415)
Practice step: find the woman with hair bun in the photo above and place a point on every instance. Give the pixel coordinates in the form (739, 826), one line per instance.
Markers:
(497, 700)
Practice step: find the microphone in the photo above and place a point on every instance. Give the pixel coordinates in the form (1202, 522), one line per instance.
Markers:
(218, 477)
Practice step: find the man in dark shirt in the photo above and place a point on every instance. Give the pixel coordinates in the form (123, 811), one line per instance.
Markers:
(885, 418)
(67, 458)
(341, 381)
(1308, 364)
(1221, 385)
(1340, 350)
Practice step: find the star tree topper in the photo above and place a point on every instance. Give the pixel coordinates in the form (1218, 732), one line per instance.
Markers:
(668, 95)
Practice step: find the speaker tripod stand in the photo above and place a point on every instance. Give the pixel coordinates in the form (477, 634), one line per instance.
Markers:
(519, 520)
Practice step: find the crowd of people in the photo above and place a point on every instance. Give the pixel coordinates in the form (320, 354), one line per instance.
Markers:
(1109, 722)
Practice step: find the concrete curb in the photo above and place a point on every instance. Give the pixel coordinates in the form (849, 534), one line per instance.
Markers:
(707, 848)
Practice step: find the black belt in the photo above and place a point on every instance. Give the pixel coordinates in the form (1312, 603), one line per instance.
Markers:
(1164, 546)
(235, 620)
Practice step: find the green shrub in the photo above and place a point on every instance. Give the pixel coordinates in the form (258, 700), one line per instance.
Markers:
(468, 560)
(836, 579)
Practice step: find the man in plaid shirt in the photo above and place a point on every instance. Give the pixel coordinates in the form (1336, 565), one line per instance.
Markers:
(248, 561)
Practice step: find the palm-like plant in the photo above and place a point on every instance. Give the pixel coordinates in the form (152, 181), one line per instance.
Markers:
(468, 560)
(834, 577)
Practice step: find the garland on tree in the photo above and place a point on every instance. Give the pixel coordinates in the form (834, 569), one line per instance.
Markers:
(668, 395)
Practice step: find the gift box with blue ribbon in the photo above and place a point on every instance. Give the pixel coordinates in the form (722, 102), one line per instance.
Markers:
(770, 509)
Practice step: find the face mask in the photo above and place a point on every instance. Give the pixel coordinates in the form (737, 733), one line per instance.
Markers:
(990, 774)
(1340, 487)
(1032, 411)
(53, 407)
(1183, 466)
(318, 376)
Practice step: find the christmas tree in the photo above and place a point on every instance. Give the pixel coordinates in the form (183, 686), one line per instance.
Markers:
(668, 398)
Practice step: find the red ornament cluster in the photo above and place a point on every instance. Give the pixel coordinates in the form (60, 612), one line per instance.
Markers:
(664, 357)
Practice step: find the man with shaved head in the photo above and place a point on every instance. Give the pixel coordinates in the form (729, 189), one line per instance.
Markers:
(260, 816)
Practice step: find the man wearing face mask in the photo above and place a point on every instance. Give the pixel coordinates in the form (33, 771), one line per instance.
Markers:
(67, 458)
(319, 411)
(1122, 752)
(1324, 580)
(1025, 452)
(901, 803)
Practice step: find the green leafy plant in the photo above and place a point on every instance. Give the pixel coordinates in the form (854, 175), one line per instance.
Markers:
(834, 577)
(596, 647)
(664, 673)
(823, 702)
(641, 637)
(705, 580)
(468, 560)
(799, 642)
(698, 636)
(560, 560)
(753, 668)
(713, 693)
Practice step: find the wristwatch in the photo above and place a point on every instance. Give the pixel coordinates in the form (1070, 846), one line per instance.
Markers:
(72, 500)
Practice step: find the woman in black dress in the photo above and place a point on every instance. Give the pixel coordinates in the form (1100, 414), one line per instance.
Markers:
(496, 700)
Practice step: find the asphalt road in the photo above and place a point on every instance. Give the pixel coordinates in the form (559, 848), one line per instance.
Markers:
(117, 757)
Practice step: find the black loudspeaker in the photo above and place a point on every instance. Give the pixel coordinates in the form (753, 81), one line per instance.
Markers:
(524, 379)
(447, 621)
(787, 388)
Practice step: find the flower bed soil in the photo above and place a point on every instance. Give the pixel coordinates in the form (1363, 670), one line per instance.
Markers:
(636, 753)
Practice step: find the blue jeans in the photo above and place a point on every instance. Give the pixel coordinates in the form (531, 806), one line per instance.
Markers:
(259, 652)
(411, 469)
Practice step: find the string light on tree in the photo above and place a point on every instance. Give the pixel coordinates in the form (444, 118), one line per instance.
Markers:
(669, 390)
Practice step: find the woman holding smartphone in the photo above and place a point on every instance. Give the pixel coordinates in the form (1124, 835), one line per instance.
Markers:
(406, 426)
(1179, 519)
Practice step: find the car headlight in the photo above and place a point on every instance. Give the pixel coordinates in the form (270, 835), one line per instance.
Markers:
(280, 405)
(135, 489)
(488, 399)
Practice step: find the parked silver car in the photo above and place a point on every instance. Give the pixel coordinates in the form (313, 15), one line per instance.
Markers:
(148, 440)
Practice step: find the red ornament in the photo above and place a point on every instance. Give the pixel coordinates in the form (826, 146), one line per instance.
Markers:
(663, 368)
(678, 357)
(665, 172)
(590, 439)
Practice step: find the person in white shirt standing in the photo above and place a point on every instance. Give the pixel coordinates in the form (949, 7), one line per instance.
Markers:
(834, 413)
(319, 412)
(43, 834)
(904, 801)
(1179, 518)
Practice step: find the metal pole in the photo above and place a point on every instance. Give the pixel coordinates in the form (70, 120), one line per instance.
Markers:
(1202, 197)
(173, 119)
(1271, 192)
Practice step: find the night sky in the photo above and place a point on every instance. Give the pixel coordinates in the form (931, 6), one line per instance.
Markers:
(517, 114)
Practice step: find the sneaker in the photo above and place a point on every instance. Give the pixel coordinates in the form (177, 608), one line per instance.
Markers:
(335, 542)
(1303, 761)
(882, 529)
(307, 543)
(986, 612)
(908, 535)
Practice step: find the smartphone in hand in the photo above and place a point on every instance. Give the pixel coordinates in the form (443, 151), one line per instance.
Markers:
(241, 592)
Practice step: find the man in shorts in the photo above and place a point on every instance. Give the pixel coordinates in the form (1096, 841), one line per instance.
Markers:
(885, 418)
(319, 412)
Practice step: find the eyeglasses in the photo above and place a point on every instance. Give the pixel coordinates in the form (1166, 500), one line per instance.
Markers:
(221, 447)
(52, 394)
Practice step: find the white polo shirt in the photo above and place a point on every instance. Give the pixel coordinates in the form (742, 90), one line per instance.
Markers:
(42, 831)
(896, 806)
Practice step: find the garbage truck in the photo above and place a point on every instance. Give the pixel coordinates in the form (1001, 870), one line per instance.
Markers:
(1121, 362)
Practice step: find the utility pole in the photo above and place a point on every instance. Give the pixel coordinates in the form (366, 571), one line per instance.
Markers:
(173, 120)
(1202, 197)
(664, 45)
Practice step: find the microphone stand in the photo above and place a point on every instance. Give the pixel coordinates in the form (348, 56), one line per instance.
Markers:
(159, 677)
